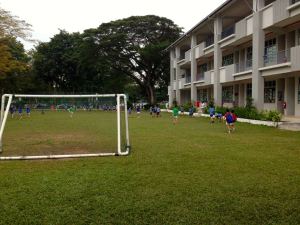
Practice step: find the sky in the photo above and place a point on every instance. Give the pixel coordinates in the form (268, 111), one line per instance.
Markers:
(48, 16)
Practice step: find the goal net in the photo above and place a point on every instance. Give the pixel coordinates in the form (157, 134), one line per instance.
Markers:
(63, 126)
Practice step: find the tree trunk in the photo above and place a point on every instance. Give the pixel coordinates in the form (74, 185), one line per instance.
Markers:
(151, 95)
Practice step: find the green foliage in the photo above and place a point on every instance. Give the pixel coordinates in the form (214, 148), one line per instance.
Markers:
(273, 116)
(250, 112)
(135, 46)
(187, 106)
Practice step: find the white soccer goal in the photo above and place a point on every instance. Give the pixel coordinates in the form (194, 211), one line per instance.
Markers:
(123, 148)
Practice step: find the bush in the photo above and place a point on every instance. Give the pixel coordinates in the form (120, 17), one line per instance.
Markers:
(187, 106)
(273, 116)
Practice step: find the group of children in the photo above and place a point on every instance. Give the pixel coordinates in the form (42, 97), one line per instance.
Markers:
(13, 109)
(154, 111)
(229, 117)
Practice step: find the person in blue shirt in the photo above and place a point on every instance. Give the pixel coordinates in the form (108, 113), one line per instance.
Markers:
(212, 112)
(12, 111)
(20, 111)
(28, 111)
(191, 111)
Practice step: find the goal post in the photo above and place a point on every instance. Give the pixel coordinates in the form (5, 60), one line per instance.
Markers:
(6, 103)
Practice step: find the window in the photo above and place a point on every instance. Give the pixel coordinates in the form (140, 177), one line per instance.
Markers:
(298, 90)
(249, 58)
(270, 91)
(227, 94)
(201, 69)
(270, 51)
(227, 60)
(249, 90)
(202, 95)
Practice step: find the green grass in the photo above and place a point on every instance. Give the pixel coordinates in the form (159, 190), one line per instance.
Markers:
(189, 173)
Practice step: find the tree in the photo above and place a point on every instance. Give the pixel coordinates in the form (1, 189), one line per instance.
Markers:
(12, 26)
(14, 61)
(69, 63)
(135, 47)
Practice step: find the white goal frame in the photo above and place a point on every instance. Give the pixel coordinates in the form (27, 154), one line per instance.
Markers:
(120, 152)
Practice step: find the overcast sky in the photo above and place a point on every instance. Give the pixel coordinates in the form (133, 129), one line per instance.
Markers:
(47, 16)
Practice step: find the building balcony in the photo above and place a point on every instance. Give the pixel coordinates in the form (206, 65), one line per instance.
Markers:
(209, 41)
(188, 79)
(227, 32)
(280, 13)
(181, 83)
(209, 77)
(226, 73)
(243, 66)
(278, 57)
(199, 50)
(278, 62)
(187, 55)
(295, 57)
(238, 33)
(200, 76)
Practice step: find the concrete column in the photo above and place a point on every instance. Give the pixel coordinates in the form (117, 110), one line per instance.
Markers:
(258, 44)
(193, 69)
(172, 74)
(178, 94)
(289, 96)
(217, 62)
(258, 4)
(241, 95)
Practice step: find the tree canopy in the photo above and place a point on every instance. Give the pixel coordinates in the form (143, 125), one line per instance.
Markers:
(135, 47)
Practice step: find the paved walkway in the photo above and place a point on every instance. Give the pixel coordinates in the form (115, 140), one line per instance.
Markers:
(294, 119)
(290, 123)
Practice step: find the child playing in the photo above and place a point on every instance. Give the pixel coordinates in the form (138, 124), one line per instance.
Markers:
(234, 119)
(27, 111)
(12, 111)
(212, 113)
(20, 111)
(175, 114)
(71, 110)
(157, 111)
(229, 120)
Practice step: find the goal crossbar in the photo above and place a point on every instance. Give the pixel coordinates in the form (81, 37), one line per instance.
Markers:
(5, 111)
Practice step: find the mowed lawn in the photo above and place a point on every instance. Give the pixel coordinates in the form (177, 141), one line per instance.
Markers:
(189, 173)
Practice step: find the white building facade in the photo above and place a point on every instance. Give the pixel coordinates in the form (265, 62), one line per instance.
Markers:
(243, 49)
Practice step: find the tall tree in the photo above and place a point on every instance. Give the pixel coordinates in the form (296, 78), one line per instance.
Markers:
(14, 65)
(135, 46)
(69, 63)
(12, 26)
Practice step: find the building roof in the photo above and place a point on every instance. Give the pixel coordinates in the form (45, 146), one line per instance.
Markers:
(210, 16)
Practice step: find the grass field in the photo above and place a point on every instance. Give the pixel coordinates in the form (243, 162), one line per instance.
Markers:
(189, 173)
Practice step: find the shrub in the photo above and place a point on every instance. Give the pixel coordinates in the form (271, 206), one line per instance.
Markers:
(187, 106)
(273, 116)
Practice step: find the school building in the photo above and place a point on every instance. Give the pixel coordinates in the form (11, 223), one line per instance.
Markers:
(243, 49)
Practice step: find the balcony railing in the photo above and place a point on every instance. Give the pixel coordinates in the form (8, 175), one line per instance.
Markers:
(277, 57)
(188, 79)
(227, 32)
(200, 76)
(243, 66)
(209, 41)
(292, 2)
